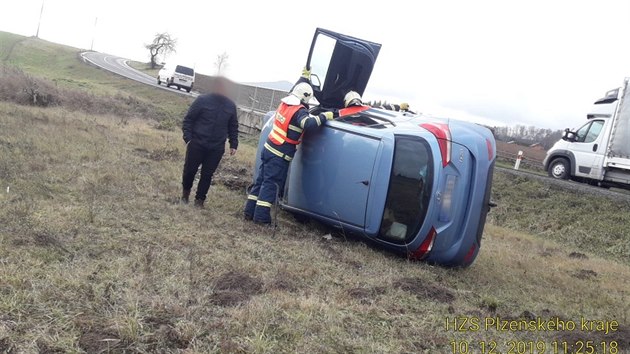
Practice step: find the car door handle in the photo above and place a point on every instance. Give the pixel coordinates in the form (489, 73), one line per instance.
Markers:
(595, 148)
(365, 183)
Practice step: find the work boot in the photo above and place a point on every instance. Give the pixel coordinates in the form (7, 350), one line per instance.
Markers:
(262, 215)
(185, 196)
(250, 207)
(199, 203)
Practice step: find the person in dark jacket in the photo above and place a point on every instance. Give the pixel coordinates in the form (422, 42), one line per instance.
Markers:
(210, 121)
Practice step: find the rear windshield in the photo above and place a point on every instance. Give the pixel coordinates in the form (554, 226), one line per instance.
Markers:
(185, 70)
(409, 190)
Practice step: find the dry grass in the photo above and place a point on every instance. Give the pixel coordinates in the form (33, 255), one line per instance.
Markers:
(97, 256)
(585, 222)
(22, 88)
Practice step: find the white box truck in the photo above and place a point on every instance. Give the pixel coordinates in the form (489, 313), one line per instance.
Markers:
(598, 152)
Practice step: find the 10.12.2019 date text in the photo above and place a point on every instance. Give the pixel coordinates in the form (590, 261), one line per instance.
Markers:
(534, 347)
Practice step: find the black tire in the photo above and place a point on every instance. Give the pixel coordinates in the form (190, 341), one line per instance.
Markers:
(188, 90)
(559, 168)
(158, 81)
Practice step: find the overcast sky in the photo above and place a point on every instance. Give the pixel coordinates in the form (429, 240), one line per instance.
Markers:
(502, 62)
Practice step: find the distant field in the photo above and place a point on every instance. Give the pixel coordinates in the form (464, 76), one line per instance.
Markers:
(61, 65)
(97, 256)
(144, 67)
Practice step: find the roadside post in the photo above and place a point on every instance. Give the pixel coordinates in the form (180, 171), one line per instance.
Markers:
(519, 157)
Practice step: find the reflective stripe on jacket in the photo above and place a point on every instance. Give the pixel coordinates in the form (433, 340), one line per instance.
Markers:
(278, 152)
(282, 124)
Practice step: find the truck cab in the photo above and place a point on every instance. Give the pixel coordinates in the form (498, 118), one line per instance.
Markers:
(590, 153)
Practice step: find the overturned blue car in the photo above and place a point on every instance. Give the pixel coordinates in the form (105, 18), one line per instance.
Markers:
(416, 185)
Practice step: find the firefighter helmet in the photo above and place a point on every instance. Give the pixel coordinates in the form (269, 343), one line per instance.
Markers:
(352, 98)
(300, 94)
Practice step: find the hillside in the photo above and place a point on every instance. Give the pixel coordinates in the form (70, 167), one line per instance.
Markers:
(98, 256)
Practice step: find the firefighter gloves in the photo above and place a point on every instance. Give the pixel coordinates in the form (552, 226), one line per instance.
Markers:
(306, 73)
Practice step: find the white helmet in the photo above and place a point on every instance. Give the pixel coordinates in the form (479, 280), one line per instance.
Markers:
(301, 93)
(352, 98)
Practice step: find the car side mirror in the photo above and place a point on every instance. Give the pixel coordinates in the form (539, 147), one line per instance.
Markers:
(568, 135)
(315, 81)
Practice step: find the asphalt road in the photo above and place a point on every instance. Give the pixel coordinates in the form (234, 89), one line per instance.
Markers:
(119, 66)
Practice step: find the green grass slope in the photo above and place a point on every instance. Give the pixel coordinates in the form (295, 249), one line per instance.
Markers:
(63, 66)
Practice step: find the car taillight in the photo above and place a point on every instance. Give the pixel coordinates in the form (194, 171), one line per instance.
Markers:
(490, 150)
(470, 253)
(446, 200)
(443, 135)
(425, 246)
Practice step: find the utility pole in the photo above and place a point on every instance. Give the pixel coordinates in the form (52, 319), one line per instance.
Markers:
(40, 20)
(94, 33)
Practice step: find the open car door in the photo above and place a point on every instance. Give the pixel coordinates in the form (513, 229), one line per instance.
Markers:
(338, 64)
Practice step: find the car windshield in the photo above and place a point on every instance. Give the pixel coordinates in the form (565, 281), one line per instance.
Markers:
(184, 70)
(409, 190)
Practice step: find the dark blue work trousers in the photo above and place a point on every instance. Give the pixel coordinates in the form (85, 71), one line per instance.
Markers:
(272, 175)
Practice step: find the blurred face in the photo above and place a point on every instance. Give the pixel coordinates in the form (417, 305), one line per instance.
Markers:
(224, 87)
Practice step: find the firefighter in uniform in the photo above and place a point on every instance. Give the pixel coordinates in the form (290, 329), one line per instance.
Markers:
(354, 104)
(290, 121)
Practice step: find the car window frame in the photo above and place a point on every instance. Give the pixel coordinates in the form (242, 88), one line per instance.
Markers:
(428, 186)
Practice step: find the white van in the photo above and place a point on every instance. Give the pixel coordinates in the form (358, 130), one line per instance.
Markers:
(178, 75)
(599, 151)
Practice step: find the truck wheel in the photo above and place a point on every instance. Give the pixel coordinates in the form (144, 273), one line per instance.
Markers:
(188, 89)
(559, 169)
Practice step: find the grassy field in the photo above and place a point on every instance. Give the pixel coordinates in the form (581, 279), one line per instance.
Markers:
(97, 255)
(144, 67)
(63, 67)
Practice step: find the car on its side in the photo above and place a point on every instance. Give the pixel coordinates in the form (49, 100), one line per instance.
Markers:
(414, 184)
(179, 76)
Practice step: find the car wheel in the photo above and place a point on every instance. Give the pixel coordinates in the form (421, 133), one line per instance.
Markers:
(188, 90)
(158, 81)
(559, 168)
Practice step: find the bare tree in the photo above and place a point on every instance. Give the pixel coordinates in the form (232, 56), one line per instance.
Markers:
(221, 62)
(162, 43)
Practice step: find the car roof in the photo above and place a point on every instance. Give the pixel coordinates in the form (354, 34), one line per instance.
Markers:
(407, 123)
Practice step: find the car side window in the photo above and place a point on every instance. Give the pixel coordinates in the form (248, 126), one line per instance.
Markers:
(594, 131)
(409, 190)
(580, 135)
